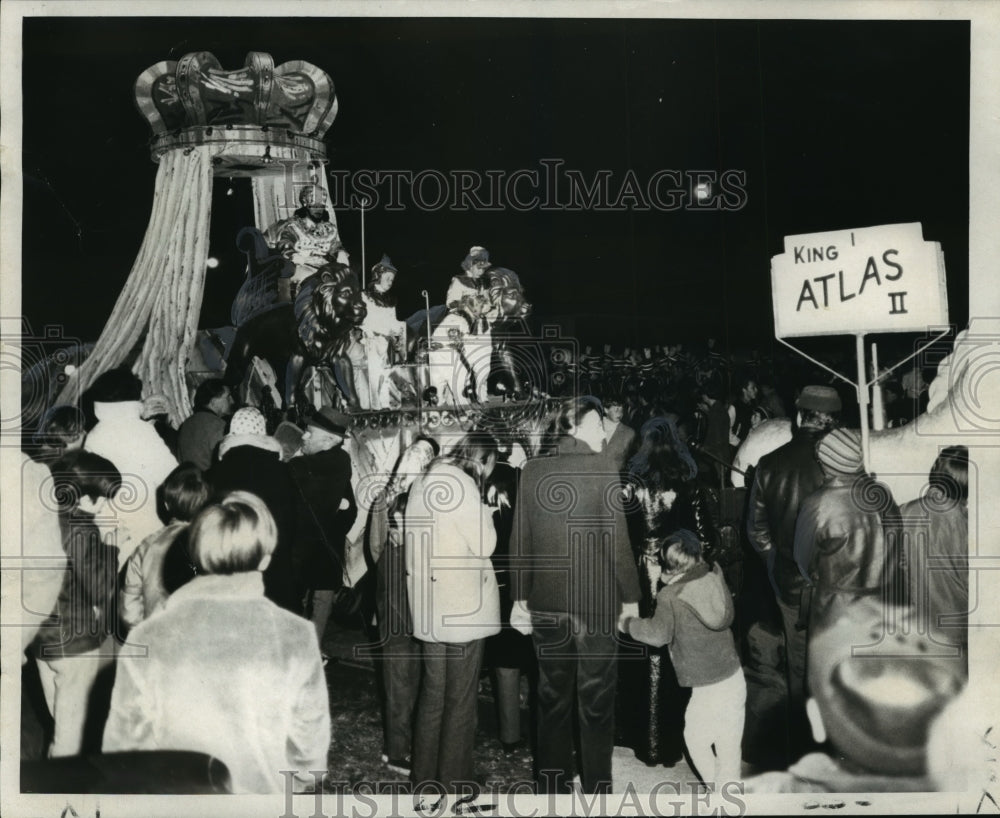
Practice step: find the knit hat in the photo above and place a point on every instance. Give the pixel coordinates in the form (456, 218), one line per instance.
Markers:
(248, 421)
(839, 452)
(878, 691)
(330, 420)
(247, 427)
(476, 254)
(819, 399)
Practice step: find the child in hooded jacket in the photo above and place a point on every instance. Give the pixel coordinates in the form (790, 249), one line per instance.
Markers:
(694, 610)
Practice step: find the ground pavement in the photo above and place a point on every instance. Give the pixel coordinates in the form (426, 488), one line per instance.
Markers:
(356, 746)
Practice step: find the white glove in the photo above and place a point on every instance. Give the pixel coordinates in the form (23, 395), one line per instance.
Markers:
(520, 618)
(630, 610)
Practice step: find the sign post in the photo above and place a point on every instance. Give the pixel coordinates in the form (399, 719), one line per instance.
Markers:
(853, 282)
(878, 407)
(859, 350)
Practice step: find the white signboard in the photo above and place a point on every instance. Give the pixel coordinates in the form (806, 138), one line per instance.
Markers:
(846, 282)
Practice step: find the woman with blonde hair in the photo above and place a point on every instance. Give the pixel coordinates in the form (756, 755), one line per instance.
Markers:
(227, 671)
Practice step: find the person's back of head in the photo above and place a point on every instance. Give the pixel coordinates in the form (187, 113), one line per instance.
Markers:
(475, 454)
(839, 453)
(182, 494)
(681, 551)
(949, 476)
(208, 391)
(818, 407)
(571, 412)
(117, 385)
(875, 693)
(712, 389)
(662, 459)
(61, 429)
(237, 535)
(78, 474)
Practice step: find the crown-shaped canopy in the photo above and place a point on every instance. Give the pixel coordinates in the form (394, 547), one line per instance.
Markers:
(194, 101)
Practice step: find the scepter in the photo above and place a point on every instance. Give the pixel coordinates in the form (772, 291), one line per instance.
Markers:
(427, 314)
(427, 306)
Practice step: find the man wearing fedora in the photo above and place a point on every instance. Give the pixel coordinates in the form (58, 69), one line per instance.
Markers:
(325, 510)
(783, 479)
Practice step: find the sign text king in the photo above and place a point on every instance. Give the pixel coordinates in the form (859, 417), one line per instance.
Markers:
(871, 279)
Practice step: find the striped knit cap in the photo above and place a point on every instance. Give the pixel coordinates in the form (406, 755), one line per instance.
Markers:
(839, 452)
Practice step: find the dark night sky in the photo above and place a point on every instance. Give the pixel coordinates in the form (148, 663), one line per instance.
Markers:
(836, 125)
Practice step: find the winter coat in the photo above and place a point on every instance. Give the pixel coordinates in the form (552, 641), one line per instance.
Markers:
(255, 466)
(692, 617)
(840, 544)
(569, 547)
(41, 554)
(144, 460)
(84, 615)
(198, 437)
(143, 592)
(935, 542)
(321, 482)
(784, 478)
(715, 440)
(450, 536)
(620, 445)
(230, 674)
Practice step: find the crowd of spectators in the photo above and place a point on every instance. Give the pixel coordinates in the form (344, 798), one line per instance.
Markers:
(221, 546)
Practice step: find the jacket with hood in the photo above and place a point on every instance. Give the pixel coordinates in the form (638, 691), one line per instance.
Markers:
(693, 616)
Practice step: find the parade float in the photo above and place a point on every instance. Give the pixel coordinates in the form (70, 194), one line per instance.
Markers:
(305, 332)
